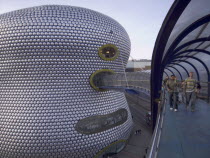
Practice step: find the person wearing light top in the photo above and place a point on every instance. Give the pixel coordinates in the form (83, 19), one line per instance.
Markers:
(190, 91)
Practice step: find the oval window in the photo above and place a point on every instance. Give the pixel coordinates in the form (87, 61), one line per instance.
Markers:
(108, 52)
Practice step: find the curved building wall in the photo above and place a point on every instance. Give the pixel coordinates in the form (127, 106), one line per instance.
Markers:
(47, 55)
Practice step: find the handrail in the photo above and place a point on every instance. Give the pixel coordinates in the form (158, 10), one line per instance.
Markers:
(149, 81)
(154, 138)
(132, 80)
(158, 130)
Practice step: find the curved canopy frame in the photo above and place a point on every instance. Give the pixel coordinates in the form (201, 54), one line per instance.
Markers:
(184, 61)
(199, 60)
(172, 17)
(166, 74)
(193, 50)
(177, 71)
(204, 65)
(171, 50)
(170, 71)
(173, 63)
(204, 39)
(183, 34)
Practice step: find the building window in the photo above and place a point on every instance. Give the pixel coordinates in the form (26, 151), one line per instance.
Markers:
(96, 78)
(108, 52)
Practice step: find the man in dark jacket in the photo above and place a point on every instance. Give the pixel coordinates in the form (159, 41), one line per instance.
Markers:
(165, 81)
(172, 87)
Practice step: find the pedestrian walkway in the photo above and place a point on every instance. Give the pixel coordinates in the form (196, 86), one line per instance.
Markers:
(186, 134)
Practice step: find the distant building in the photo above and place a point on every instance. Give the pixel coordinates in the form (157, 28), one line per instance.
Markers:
(138, 65)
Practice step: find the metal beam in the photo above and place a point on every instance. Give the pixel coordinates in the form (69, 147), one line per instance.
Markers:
(172, 17)
(200, 32)
(186, 51)
(192, 50)
(196, 51)
(191, 42)
(166, 73)
(181, 67)
(177, 71)
(183, 34)
(206, 68)
(196, 71)
(170, 71)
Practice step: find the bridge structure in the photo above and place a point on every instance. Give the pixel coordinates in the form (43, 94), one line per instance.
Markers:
(182, 46)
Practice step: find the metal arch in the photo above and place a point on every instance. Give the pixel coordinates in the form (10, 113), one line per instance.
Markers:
(207, 70)
(181, 67)
(183, 34)
(198, 76)
(170, 71)
(193, 50)
(177, 71)
(166, 73)
(168, 25)
(191, 42)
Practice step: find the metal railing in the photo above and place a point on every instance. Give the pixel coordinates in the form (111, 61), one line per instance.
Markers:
(143, 84)
(205, 91)
(153, 150)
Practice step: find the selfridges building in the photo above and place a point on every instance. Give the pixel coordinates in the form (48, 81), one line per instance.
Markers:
(49, 106)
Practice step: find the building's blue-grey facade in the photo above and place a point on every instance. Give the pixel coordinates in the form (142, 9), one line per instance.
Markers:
(47, 55)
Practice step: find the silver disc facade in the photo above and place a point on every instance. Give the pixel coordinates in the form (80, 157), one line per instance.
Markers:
(47, 55)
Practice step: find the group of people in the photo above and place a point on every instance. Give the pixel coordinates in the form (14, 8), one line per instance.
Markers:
(181, 91)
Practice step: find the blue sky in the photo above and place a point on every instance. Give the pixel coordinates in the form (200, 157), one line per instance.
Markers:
(142, 19)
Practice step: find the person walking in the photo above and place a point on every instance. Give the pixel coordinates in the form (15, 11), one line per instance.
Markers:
(172, 87)
(190, 91)
(182, 92)
(165, 81)
(164, 89)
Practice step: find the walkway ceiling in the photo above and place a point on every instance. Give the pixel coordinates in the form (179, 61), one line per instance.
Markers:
(182, 45)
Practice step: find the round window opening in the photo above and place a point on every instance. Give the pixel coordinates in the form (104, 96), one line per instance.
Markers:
(108, 52)
(96, 78)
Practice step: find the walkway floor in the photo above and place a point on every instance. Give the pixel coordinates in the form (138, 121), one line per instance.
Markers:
(186, 134)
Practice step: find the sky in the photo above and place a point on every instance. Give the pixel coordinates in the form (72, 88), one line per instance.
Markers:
(141, 19)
